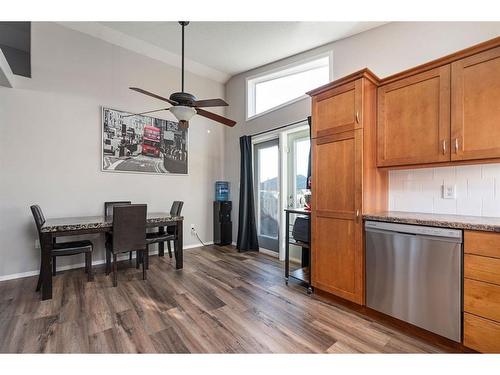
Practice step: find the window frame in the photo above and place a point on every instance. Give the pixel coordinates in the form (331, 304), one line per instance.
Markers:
(280, 72)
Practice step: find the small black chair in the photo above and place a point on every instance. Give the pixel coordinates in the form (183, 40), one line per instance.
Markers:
(129, 234)
(108, 214)
(63, 248)
(169, 235)
(175, 210)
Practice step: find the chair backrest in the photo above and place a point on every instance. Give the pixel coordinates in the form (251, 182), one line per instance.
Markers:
(176, 208)
(38, 216)
(108, 207)
(129, 227)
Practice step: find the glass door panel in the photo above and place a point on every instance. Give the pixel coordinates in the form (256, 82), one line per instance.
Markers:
(299, 144)
(267, 193)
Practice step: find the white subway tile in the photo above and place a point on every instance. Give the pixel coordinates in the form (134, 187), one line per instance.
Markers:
(484, 188)
(445, 206)
(444, 174)
(422, 174)
(412, 186)
(469, 206)
(491, 170)
(491, 207)
(465, 172)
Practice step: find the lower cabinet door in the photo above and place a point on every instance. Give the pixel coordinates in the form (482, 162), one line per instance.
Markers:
(338, 257)
(481, 334)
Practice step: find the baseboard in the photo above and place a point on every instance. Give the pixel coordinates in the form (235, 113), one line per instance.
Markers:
(81, 265)
(269, 252)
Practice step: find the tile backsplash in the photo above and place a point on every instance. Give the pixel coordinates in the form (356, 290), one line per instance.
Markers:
(477, 190)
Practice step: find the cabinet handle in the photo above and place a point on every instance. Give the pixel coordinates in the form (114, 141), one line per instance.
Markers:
(357, 215)
(357, 117)
(444, 146)
(456, 145)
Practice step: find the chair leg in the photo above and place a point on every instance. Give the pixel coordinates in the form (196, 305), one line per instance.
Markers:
(115, 276)
(146, 258)
(54, 266)
(88, 259)
(169, 249)
(130, 256)
(108, 262)
(144, 255)
(138, 259)
(39, 283)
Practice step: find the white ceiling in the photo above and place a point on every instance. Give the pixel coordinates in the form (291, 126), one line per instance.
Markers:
(234, 47)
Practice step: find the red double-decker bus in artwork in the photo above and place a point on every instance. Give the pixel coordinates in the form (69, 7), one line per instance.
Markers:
(151, 141)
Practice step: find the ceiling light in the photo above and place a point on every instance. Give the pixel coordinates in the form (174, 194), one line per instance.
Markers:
(183, 113)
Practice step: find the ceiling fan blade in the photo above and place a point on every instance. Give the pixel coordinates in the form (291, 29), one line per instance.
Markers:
(215, 117)
(210, 103)
(143, 113)
(153, 95)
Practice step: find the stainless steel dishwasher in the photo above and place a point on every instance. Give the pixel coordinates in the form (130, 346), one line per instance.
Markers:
(414, 273)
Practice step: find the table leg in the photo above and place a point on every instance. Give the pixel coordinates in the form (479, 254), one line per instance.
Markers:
(161, 245)
(46, 245)
(179, 256)
(287, 246)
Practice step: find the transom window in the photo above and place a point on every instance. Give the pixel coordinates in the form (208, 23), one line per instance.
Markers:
(278, 88)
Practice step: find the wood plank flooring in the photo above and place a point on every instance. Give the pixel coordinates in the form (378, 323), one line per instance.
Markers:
(221, 302)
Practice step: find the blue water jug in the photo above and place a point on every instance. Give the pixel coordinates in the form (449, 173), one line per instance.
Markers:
(221, 191)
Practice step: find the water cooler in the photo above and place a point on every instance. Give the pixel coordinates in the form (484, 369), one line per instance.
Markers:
(223, 227)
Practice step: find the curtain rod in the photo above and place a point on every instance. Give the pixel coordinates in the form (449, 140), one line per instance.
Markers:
(278, 128)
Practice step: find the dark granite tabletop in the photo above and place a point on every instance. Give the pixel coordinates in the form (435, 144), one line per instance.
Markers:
(490, 224)
(98, 222)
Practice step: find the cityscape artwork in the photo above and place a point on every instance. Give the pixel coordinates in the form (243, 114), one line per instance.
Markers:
(142, 144)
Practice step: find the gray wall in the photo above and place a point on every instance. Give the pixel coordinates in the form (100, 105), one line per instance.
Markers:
(385, 50)
(50, 141)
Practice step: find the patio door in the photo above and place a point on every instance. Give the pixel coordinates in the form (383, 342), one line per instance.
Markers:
(267, 193)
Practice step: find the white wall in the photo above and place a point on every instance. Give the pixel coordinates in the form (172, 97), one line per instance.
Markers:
(385, 50)
(50, 141)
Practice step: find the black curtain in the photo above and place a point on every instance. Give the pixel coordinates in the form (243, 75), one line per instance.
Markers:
(247, 229)
(308, 183)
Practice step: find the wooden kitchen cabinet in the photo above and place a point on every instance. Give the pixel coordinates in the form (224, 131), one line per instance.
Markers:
(414, 119)
(475, 121)
(345, 181)
(482, 291)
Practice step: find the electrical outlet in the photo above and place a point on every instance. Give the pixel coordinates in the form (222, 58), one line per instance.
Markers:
(37, 244)
(449, 191)
(193, 229)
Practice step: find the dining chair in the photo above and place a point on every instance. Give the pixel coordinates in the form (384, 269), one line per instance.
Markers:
(129, 234)
(175, 210)
(169, 234)
(63, 248)
(108, 215)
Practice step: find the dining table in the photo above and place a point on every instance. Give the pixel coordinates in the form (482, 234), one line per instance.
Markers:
(76, 226)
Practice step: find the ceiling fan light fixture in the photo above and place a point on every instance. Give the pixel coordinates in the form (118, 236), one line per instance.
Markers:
(182, 112)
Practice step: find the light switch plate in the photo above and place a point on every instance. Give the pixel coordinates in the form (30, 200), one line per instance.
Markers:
(449, 191)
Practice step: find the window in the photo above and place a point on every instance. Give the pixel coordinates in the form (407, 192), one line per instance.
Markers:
(272, 90)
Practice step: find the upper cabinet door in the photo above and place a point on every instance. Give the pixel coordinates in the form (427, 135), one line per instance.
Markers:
(475, 122)
(336, 110)
(413, 124)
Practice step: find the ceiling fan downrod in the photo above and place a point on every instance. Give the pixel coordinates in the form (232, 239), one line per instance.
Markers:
(183, 24)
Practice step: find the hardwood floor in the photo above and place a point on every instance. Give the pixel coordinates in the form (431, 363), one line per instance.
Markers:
(221, 302)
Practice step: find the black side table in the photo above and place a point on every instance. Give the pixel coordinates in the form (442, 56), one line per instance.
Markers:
(302, 274)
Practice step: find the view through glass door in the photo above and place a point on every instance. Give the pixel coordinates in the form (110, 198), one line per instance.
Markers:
(267, 193)
(298, 158)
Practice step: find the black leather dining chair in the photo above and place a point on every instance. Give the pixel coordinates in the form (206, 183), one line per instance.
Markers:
(175, 210)
(129, 234)
(108, 214)
(63, 248)
(169, 234)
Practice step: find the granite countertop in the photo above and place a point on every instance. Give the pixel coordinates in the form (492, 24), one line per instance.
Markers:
(490, 224)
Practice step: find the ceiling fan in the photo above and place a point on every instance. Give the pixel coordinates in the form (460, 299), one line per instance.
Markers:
(185, 105)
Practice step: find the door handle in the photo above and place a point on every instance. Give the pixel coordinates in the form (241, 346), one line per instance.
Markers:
(357, 215)
(444, 146)
(456, 145)
(357, 117)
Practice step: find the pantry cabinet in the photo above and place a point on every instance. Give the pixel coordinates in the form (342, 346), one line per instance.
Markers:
(345, 181)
